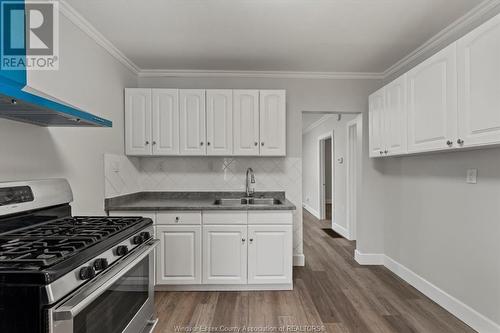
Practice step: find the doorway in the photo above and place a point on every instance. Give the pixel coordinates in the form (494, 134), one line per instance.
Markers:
(327, 176)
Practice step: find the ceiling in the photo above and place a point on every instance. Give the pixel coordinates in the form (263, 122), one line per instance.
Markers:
(270, 35)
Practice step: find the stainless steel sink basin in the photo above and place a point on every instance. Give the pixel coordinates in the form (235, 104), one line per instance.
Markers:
(247, 201)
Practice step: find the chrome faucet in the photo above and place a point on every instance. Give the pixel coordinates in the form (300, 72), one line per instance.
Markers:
(249, 192)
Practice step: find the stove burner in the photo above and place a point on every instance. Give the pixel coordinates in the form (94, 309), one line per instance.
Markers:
(46, 244)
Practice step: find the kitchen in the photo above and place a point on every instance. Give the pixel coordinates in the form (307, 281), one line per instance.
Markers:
(416, 214)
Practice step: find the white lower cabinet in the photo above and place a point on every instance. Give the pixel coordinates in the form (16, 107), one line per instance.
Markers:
(225, 254)
(179, 254)
(269, 254)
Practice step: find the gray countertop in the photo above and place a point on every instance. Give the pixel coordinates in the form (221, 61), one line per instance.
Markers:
(149, 201)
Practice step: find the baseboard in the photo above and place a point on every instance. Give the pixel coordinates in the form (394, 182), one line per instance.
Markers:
(223, 287)
(341, 230)
(368, 258)
(460, 310)
(311, 210)
(456, 307)
(299, 260)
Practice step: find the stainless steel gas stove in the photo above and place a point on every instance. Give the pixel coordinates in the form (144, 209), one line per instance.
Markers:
(60, 273)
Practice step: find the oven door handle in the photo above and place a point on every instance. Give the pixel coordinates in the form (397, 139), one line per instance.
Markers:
(69, 309)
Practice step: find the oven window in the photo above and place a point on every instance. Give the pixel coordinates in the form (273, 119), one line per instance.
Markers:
(114, 309)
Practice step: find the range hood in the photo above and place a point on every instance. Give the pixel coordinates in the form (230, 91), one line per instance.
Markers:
(19, 105)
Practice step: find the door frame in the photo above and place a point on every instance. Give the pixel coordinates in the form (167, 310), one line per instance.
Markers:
(353, 177)
(321, 161)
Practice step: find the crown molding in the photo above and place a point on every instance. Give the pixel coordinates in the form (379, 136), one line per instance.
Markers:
(260, 74)
(446, 36)
(78, 20)
(317, 123)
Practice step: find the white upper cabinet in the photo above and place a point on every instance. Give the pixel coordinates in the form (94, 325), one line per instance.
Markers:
(165, 121)
(224, 254)
(479, 85)
(138, 122)
(395, 117)
(376, 123)
(272, 122)
(432, 102)
(219, 122)
(192, 122)
(246, 122)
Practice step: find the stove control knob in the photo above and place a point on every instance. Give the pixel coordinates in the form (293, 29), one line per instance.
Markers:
(146, 235)
(138, 239)
(100, 264)
(87, 273)
(122, 250)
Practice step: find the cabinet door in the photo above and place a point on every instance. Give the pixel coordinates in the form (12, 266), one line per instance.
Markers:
(246, 122)
(179, 254)
(432, 102)
(272, 122)
(224, 254)
(395, 117)
(479, 85)
(192, 122)
(376, 123)
(138, 122)
(219, 122)
(165, 122)
(269, 254)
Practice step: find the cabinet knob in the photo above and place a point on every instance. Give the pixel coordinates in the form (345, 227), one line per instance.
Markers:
(262, 143)
(381, 152)
(386, 151)
(251, 240)
(449, 143)
(177, 219)
(154, 142)
(201, 143)
(256, 143)
(147, 143)
(460, 141)
(243, 240)
(208, 143)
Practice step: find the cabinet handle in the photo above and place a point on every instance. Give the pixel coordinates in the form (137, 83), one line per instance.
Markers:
(256, 143)
(201, 143)
(460, 141)
(449, 143)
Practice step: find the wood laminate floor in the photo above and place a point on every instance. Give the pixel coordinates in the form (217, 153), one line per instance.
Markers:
(332, 293)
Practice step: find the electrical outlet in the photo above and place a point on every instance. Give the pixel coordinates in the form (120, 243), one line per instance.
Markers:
(471, 176)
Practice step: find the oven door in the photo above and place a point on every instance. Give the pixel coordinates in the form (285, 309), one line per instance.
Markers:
(118, 300)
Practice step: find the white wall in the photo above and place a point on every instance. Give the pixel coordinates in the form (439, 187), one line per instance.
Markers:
(311, 167)
(88, 78)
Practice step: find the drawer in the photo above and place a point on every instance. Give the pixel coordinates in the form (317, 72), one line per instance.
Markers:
(228, 217)
(270, 217)
(180, 218)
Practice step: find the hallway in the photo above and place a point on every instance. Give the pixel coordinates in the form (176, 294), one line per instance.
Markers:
(332, 292)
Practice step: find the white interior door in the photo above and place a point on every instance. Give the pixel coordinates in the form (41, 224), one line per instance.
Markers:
(192, 122)
(432, 102)
(246, 122)
(395, 117)
(179, 254)
(225, 254)
(376, 123)
(220, 122)
(165, 122)
(138, 122)
(269, 254)
(273, 122)
(479, 82)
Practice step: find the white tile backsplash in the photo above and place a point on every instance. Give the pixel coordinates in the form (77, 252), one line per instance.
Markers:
(207, 174)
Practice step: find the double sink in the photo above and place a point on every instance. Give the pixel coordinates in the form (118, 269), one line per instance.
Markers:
(248, 201)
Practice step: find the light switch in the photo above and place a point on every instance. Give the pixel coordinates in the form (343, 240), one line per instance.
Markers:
(471, 176)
